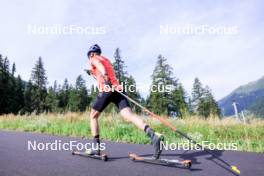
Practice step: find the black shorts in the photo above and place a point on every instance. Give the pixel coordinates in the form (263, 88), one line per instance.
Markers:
(105, 98)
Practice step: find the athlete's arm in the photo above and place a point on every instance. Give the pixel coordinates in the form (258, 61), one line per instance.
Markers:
(101, 68)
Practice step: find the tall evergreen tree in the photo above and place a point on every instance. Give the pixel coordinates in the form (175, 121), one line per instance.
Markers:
(39, 80)
(162, 76)
(11, 88)
(179, 104)
(203, 102)
(119, 66)
(13, 69)
(1, 63)
(78, 99)
(134, 94)
(208, 106)
(125, 79)
(63, 96)
(83, 93)
(2, 86)
(52, 100)
(38, 75)
(29, 106)
(197, 94)
(93, 93)
(12, 99)
(190, 107)
(18, 102)
(5, 80)
(163, 101)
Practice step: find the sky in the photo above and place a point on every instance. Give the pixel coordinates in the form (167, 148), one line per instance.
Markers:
(223, 61)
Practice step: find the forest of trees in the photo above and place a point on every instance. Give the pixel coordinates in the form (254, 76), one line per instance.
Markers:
(34, 96)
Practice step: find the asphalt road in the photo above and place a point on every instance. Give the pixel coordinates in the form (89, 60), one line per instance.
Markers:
(17, 160)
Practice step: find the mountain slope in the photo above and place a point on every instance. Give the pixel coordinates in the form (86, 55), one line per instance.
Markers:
(257, 107)
(247, 96)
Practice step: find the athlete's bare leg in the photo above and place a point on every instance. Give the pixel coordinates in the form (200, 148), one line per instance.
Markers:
(94, 122)
(135, 119)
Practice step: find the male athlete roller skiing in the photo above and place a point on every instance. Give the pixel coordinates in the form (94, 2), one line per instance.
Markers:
(102, 69)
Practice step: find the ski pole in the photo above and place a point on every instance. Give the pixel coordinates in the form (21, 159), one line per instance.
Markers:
(174, 129)
(166, 123)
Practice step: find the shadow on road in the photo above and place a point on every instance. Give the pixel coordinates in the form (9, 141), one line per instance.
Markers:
(193, 155)
(148, 155)
(188, 155)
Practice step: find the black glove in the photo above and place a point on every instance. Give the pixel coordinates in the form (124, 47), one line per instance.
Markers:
(88, 72)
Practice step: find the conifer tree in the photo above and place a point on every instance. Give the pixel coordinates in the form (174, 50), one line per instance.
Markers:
(39, 80)
(63, 96)
(52, 99)
(208, 105)
(11, 92)
(29, 105)
(5, 80)
(125, 79)
(78, 98)
(11, 88)
(119, 66)
(19, 95)
(197, 93)
(203, 102)
(179, 104)
(161, 100)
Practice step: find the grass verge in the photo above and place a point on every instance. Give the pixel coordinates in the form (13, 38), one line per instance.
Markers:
(248, 137)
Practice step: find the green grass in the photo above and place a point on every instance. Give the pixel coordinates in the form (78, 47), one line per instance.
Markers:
(249, 137)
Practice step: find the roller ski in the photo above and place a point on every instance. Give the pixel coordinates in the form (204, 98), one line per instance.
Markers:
(166, 162)
(91, 154)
